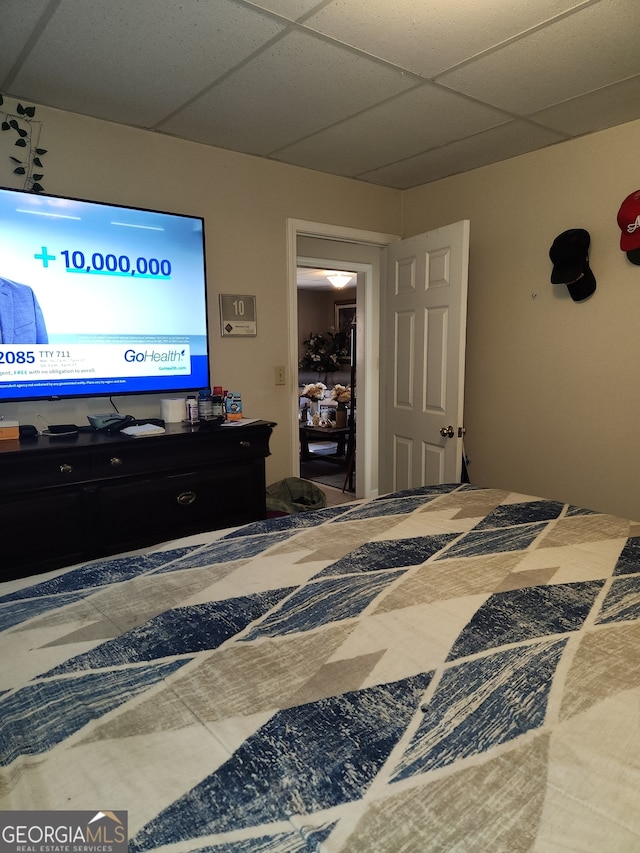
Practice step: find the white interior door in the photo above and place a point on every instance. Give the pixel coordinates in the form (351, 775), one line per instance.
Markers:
(422, 359)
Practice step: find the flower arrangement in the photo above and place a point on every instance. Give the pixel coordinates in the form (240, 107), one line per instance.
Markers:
(323, 352)
(314, 391)
(341, 394)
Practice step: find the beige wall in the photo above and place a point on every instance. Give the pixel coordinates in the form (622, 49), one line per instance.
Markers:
(552, 405)
(246, 202)
(552, 386)
(316, 312)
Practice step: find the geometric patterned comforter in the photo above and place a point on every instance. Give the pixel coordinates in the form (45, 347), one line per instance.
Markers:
(449, 668)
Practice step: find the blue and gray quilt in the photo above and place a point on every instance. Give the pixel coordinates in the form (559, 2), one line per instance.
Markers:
(449, 668)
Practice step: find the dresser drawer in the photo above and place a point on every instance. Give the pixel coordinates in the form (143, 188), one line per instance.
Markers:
(184, 503)
(43, 470)
(143, 455)
(39, 533)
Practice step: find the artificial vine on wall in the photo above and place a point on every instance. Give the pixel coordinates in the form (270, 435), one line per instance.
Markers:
(27, 132)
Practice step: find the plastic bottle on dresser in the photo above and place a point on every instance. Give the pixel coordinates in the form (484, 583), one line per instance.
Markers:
(192, 409)
(217, 408)
(218, 405)
(205, 405)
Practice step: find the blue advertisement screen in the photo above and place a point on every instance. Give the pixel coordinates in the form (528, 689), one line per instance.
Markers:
(97, 299)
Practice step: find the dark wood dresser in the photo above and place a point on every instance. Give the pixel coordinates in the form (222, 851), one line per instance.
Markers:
(66, 499)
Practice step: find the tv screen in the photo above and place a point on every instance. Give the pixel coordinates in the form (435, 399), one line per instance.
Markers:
(98, 299)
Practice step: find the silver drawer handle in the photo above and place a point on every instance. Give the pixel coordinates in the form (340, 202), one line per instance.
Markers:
(186, 498)
(115, 461)
(245, 444)
(65, 468)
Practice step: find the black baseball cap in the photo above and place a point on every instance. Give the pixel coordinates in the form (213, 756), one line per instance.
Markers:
(569, 254)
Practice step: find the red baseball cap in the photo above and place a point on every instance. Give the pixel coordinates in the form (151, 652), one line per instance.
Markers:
(629, 222)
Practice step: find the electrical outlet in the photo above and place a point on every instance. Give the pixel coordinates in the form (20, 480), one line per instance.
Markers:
(279, 375)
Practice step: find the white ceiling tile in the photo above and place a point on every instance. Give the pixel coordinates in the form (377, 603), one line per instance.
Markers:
(291, 9)
(287, 92)
(428, 36)
(597, 110)
(592, 48)
(335, 85)
(18, 20)
(410, 123)
(500, 143)
(136, 62)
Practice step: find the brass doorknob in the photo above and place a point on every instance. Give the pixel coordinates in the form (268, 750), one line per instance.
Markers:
(447, 432)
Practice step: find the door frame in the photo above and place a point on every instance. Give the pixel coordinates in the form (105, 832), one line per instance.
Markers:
(368, 343)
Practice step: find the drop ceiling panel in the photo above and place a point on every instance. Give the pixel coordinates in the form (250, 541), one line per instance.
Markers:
(135, 62)
(596, 110)
(18, 21)
(396, 93)
(294, 88)
(429, 36)
(511, 139)
(595, 47)
(291, 9)
(410, 123)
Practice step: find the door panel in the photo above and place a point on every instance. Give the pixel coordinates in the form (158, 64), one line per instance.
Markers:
(433, 469)
(435, 356)
(404, 359)
(423, 353)
(402, 463)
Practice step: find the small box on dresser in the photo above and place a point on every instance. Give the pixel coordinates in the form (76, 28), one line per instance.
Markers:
(9, 430)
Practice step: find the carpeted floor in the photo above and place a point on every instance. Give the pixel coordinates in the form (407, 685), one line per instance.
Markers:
(336, 497)
(326, 473)
(322, 471)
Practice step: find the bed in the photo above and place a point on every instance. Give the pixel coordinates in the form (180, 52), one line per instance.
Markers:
(449, 668)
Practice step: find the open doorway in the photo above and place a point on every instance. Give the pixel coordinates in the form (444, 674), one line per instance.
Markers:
(327, 386)
(332, 246)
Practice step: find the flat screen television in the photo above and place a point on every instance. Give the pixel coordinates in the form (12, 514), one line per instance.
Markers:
(99, 300)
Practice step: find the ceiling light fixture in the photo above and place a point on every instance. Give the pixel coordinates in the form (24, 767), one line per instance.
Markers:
(340, 279)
